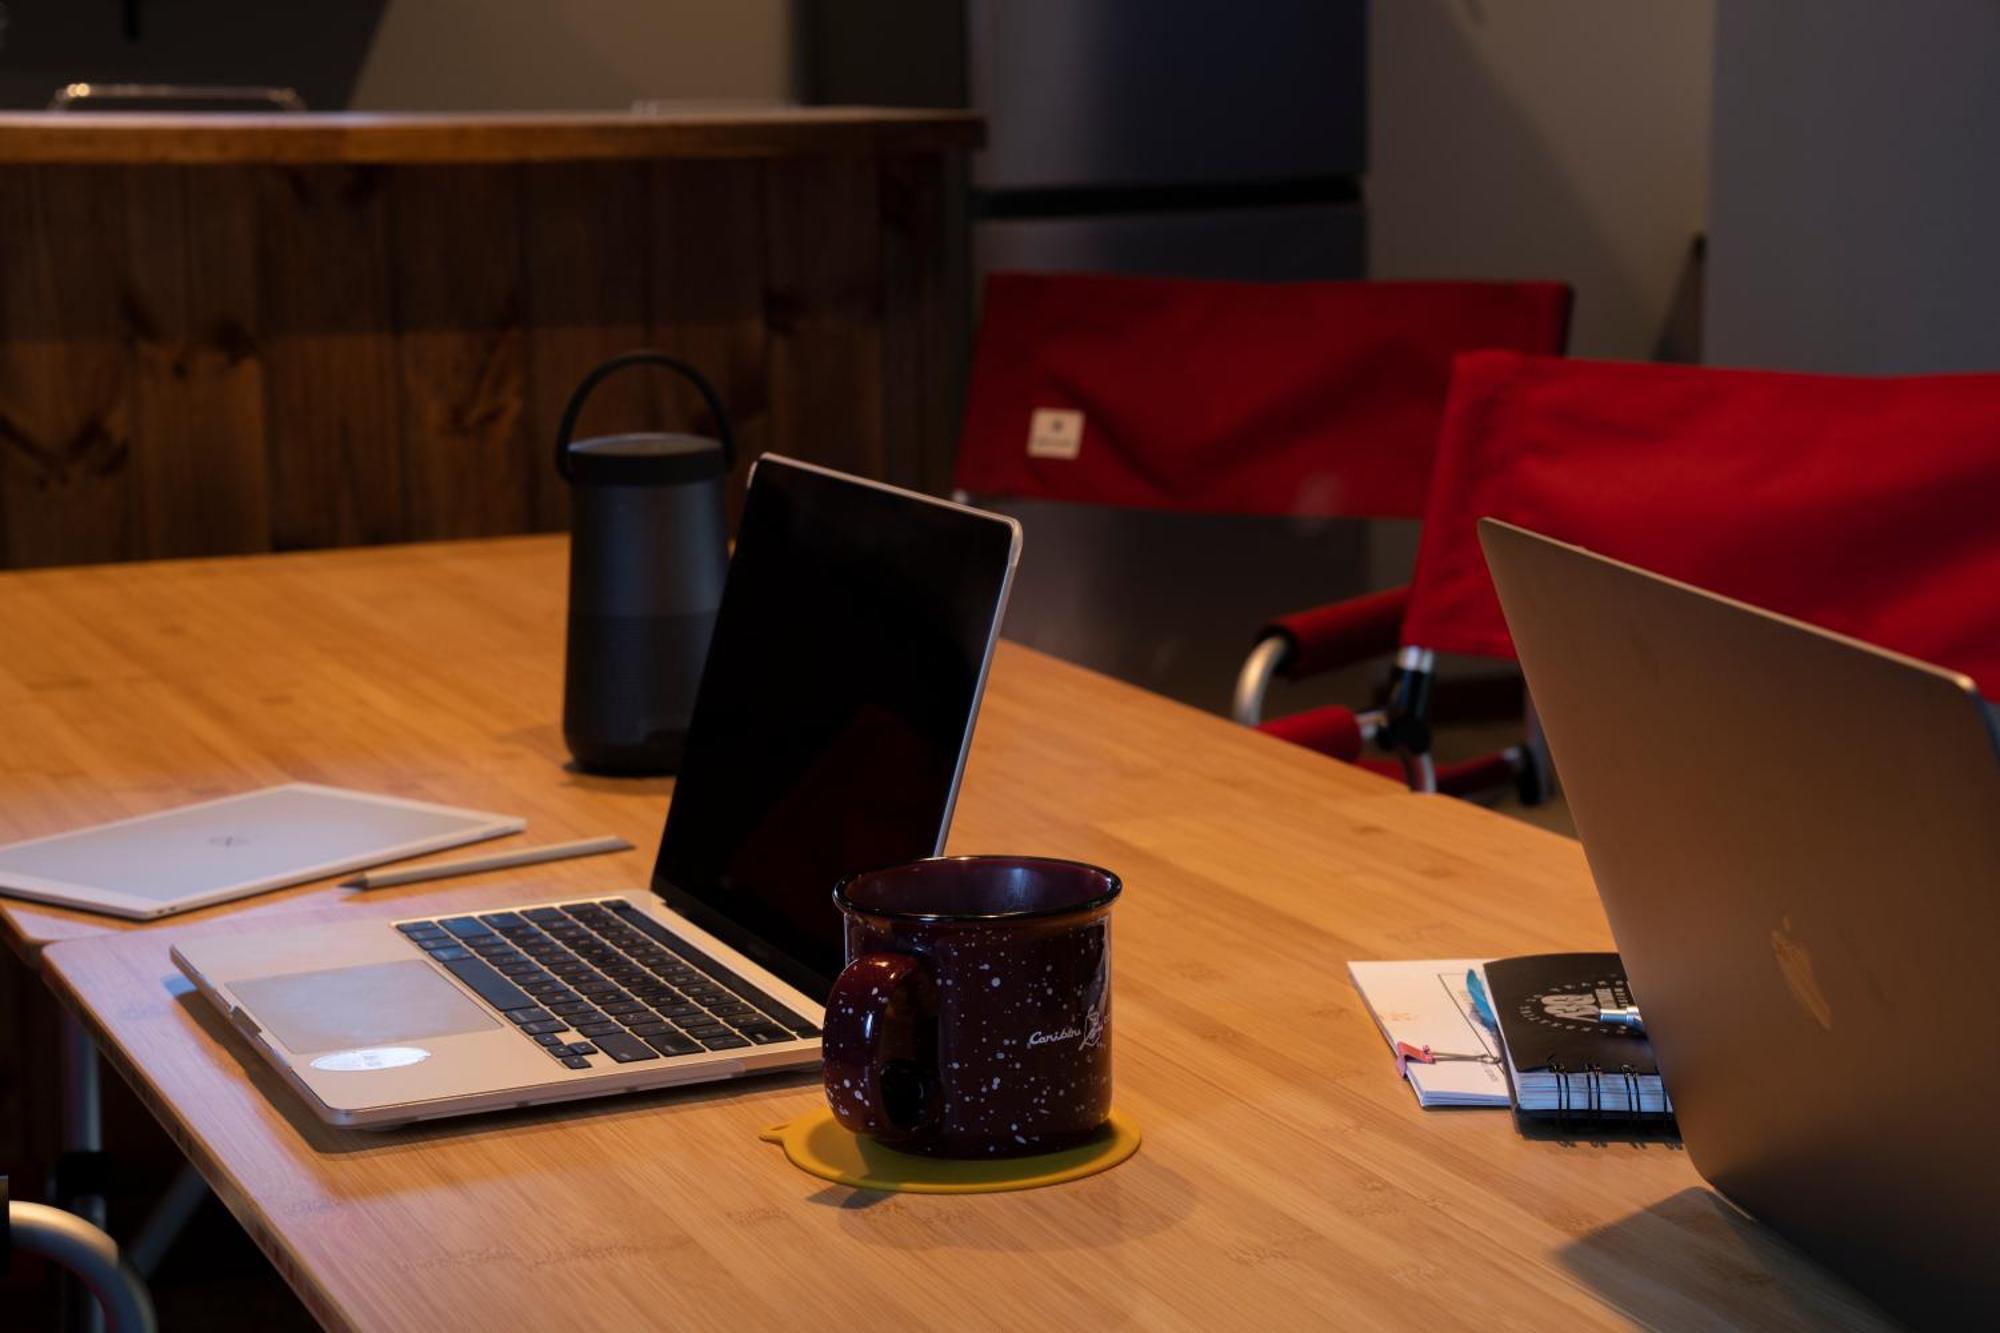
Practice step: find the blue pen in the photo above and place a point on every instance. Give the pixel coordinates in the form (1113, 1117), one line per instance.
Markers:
(1482, 1005)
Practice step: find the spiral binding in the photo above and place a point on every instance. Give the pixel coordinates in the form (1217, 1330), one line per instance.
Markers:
(1592, 1106)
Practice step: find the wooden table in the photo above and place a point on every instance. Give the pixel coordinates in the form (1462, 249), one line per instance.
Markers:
(224, 333)
(1287, 1177)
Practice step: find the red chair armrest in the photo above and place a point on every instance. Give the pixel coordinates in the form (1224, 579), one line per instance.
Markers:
(1332, 730)
(1469, 776)
(1340, 633)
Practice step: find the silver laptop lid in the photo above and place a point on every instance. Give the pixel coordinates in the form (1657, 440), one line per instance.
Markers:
(1797, 840)
(191, 856)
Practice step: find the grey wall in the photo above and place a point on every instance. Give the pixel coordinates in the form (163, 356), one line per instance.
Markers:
(314, 49)
(1542, 139)
(478, 55)
(412, 55)
(1855, 199)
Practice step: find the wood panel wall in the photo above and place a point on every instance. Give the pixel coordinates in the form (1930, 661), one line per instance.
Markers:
(201, 360)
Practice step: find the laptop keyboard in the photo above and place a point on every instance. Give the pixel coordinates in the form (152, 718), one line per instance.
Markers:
(603, 979)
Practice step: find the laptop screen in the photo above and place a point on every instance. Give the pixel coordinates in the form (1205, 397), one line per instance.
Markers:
(834, 710)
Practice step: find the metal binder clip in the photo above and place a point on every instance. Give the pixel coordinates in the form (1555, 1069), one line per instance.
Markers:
(1622, 1015)
(1405, 1052)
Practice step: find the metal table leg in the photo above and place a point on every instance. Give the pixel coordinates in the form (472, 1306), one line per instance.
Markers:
(82, 1143)
(164, 1223)
(83, 1140)
(82, 1113)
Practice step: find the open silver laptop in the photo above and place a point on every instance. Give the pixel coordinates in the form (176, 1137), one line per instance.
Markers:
(1797, 840)
(829, 734)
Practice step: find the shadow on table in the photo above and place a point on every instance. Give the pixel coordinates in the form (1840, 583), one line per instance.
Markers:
(546, 740)
(1648, 1264)
(617, 786)
(1139, 1197)
(1601, 1133)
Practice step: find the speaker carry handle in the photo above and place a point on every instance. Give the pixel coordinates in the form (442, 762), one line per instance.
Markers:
(647, 358)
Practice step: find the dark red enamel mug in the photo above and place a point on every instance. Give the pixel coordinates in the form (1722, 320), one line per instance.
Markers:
(974, 1016)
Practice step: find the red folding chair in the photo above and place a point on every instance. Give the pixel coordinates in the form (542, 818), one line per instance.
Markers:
(1304, 400)
(1866, 505)
(1308, 399)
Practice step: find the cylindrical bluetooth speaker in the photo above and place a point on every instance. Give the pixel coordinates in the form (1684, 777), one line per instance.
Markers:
(648, 555)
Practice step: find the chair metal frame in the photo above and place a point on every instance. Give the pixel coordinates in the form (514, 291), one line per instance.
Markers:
(83, 1249)
(1402, 726)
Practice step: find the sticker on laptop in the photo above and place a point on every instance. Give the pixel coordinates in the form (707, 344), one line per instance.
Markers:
(1055, 432)
(371, 1057)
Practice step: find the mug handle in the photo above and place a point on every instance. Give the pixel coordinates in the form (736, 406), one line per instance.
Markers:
(879, 1048)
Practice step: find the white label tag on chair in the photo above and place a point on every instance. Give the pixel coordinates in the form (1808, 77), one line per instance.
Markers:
(1055, 432)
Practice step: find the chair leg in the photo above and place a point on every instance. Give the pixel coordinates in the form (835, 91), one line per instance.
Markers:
(1406, 726)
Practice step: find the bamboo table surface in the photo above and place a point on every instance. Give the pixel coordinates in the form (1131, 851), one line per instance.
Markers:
(1287, 1177)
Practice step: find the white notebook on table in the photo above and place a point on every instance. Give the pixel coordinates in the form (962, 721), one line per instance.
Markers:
(1426, 1003)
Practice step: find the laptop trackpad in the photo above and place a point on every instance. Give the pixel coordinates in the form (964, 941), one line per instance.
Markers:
(370, 1005)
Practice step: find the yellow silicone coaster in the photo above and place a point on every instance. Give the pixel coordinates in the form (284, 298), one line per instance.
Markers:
(816, 1144)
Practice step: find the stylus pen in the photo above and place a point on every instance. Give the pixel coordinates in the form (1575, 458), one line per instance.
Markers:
(527, 856)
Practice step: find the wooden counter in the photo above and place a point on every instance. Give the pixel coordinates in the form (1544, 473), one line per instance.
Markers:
(354, 137)
(224, 333)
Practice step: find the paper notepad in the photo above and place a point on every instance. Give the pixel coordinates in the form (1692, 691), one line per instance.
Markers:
(1425, 1002)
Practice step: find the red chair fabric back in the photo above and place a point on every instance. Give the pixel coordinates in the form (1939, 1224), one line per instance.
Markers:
(1313, 399)
(1865, 505)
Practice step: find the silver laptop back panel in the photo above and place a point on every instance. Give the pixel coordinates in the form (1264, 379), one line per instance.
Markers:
(1797, 840)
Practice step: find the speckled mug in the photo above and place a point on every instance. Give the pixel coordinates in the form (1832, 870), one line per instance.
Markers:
(974, 1016)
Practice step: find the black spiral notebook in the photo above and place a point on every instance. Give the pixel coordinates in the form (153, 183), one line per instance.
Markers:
(1563, 1062)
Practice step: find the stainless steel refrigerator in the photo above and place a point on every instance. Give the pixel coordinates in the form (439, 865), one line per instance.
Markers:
(1183, 137)
(1176, 137)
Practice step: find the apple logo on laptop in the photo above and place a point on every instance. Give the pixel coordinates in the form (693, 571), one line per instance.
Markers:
(1796, 966)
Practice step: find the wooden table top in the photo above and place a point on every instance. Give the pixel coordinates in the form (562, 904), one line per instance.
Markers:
(414, 137)
(1287, 1176)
